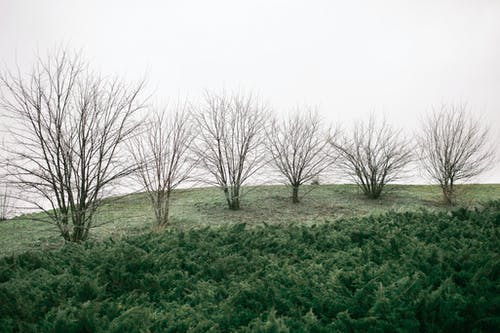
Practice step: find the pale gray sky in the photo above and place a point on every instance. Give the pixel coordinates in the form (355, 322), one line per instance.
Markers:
(350, 58)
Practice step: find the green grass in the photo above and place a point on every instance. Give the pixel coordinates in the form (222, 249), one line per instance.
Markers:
(197, 208)
(393, 272)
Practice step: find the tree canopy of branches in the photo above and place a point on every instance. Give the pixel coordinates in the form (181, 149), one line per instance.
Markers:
(454, 147)
(162, 154)
(68, 127)
(230, 144)
(372, 155)
(299, 148)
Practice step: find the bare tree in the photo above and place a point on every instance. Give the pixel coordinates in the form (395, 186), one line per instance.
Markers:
(5, 203)
(299, 148)
(162, 153)
(5, 195)
(372, 155)
(67, 128)
(230, 145)
(454, 147)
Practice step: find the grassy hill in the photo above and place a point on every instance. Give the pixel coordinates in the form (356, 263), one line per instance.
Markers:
(197, 208)
(397, 271)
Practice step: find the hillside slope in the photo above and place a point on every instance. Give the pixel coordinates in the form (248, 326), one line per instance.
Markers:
(202, 207)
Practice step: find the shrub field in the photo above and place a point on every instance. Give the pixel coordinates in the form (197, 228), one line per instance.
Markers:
(396, 272)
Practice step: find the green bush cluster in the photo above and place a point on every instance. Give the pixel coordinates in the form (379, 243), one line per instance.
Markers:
(399, 272)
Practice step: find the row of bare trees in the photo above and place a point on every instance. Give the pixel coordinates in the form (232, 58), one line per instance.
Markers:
(75, 134)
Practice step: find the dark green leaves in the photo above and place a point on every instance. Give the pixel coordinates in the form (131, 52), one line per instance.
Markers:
(401, 272)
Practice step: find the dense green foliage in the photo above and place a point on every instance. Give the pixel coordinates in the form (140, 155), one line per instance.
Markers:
(406, 272)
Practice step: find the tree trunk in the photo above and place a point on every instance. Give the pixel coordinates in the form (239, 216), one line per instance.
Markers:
(377, 191)
(232, 197)
(65, 232)
(78, 225)
(295, 194)
(448, 194)
(228, 197)
(235, 203)
(165, 211)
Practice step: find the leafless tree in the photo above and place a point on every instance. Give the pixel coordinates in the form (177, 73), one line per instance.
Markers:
(230, 145)
(299, 148)
(372, 155)
(5, 203)
(5, 195)
(454, 147)
(162, 153)
(67, 128)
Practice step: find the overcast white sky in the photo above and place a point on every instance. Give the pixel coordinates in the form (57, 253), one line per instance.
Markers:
(397, 58)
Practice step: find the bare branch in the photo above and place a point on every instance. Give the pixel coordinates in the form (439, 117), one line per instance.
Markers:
(162, 153)
(373, 155)
(299, 148)
(454, 147)
(70, 125)
(230, 145)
